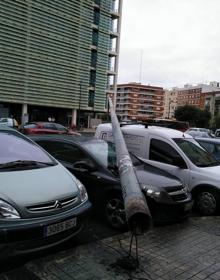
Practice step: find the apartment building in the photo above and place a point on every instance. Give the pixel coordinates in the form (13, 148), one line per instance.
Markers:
(58, 58)
(139, 102)
(201, 95)
(170, 103)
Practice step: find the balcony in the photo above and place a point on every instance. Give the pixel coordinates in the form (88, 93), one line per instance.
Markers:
(111, 70)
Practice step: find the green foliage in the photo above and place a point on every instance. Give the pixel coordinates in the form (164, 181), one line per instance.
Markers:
(195, 116)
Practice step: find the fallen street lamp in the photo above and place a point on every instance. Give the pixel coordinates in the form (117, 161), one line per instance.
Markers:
(137, 212)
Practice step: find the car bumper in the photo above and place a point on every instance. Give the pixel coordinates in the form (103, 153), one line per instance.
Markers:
(28, 235)
(162, 213)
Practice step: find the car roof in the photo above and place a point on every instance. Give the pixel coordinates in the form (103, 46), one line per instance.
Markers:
(210, 140)
(7, 128)
(41, 123)
(156, 130)
(68, 138)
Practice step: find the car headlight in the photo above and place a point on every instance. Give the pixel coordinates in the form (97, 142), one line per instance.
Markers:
(151, 191)
(7, 211)
(82, 191)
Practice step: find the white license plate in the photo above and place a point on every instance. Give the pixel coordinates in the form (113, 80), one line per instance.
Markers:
(59, 227)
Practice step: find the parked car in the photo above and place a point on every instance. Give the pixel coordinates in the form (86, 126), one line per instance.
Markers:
(41, 203)
(200, 132)
(94, 162)
(197, 133)
(177, 153)
(45, 128)
(10, 122)
(212, 146)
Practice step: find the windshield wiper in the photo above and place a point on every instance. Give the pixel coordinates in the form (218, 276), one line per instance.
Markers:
(21, 163)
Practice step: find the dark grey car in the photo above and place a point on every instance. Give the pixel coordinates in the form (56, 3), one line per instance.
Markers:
(93, 161)
(211, 145)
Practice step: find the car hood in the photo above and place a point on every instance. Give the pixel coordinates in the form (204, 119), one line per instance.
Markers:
(36, 186)
(213, 171)
(149, 175)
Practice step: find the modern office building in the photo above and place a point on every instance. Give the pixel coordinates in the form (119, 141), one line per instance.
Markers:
(58, 59)
(139, 102)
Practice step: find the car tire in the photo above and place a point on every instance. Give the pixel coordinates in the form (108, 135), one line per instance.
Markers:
(207, 201)
(115, 212)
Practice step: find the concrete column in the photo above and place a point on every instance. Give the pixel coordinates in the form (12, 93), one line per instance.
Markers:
(212, 105)
(24, 114)
(74, 116)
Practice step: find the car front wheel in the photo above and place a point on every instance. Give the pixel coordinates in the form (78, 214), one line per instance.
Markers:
(208, 201)
(115, 212)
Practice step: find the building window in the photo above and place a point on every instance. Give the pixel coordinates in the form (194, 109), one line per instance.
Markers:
(97, 2)
(92, 78)
(95, 38)
(96, 16)
(93, 58)
(91, 100)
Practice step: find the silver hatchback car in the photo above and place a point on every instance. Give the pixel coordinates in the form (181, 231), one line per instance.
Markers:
(41, 202)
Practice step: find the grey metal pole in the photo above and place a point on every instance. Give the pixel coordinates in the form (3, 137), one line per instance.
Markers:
(137, 212)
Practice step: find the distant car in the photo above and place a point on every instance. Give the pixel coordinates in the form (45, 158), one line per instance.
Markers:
(10, 122)
(211, 145)
(45, 128)
(200, 132)
(197, 133)
(41, 203)
(94, 162)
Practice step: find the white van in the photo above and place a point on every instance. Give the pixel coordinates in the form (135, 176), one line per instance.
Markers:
(177, 153)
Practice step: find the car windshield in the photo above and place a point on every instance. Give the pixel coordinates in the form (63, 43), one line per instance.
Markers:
(195, 153)
(105, 153)
(16, 148)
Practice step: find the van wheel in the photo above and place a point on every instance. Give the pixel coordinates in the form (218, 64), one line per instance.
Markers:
(115, 212)
(207, 201)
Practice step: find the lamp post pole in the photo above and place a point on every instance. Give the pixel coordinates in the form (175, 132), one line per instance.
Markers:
(170, 102)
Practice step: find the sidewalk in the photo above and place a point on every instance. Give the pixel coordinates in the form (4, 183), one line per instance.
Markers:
(189, 250)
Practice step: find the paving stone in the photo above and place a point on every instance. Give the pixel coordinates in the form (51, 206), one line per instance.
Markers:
(189, 250)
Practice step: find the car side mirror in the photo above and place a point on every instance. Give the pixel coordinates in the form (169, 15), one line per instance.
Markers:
(178, 161)
(84, 166)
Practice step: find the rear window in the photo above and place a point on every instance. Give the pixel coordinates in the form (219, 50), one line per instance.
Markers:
(16, 147)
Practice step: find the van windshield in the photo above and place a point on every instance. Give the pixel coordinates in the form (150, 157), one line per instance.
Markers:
(195, 153)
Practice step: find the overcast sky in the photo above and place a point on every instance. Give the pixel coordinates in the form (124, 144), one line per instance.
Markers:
(178, 40)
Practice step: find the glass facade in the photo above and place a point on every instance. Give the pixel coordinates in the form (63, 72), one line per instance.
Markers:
(48, 48)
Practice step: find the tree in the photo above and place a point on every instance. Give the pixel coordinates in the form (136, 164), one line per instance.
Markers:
(195, 116)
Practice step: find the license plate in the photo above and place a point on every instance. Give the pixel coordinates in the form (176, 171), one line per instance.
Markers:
(59, 227)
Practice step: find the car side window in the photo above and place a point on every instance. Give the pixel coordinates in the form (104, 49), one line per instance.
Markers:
(161, 151)
(65, 152)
